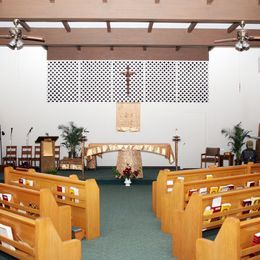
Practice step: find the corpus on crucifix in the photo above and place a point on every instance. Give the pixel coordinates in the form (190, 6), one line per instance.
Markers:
(128, 74)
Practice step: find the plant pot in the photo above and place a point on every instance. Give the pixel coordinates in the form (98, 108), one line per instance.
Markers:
(238, 162)
(127, 182)
(72, 155)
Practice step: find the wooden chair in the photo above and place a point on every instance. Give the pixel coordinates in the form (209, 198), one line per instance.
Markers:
(10, 158)
(57, 156)
(26, 157)
(37, 156)
(212, 155)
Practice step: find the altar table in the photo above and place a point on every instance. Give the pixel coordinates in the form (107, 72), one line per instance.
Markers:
(130, 153)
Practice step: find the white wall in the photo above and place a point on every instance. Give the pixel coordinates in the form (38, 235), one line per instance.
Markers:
(234, 97)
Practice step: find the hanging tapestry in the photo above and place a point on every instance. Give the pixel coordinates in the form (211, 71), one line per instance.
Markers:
(128, 117)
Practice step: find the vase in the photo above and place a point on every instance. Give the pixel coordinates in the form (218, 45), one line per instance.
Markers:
(127, 182)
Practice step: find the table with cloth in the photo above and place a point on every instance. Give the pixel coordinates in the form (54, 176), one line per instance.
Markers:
(128, 153)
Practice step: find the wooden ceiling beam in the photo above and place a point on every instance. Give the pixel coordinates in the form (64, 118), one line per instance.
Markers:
(232, 27)
(139, 37)
(66, 26)
(172, 11)
(25, 25)
(191, 27)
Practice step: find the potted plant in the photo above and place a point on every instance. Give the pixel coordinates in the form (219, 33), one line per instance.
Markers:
(72, 135)
(237, 136)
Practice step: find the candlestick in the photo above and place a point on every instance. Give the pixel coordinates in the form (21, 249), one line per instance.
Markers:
(176, 139)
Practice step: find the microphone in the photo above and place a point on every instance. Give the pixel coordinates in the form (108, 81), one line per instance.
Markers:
(11, 130)
(30, 131)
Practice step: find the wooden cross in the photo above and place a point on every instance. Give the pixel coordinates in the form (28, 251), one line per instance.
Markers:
(127, 74)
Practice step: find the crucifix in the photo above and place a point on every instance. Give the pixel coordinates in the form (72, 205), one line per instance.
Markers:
(128, 74)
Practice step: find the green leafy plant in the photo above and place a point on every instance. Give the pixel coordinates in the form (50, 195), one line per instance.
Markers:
(72, 135)
(237, 136)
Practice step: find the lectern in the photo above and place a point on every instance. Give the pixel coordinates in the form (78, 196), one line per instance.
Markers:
(47, 158)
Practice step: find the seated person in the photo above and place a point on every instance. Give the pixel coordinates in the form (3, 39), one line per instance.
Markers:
(249, 154)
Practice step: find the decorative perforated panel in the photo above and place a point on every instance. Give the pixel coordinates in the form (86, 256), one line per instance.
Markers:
(151, 81)
(192, 81)
(63, 81)
(95, 81)
(160, 87)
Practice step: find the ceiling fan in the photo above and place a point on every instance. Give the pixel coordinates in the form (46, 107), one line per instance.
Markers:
(242, 39)
(17, 37)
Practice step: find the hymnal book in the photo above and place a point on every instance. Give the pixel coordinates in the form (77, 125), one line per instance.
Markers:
(246, 203)
(209, 176)
(169, 189)
(203, 190)
(22, 181)
(256, 239)
(250, 184)
(6, 231)
(231, 186)
(215, 210)
(180, 178)
(192, 191)
(213, 190)
(61, 189)
(20, 210)
(255, 201)
(216, 207)
(225, 207)
(74, 191)
(207, 212)
(169, 182)
(29, 182)
(6, 197)
(223, 188)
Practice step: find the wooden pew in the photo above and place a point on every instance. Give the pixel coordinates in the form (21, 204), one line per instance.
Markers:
(36, 239)
(33, 204)
(234, 241)
(85, 207)
(166, 179)
(179, 197)
(189, 223)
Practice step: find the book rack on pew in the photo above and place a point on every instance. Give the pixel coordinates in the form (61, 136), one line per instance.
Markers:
(188, 224)
(35, 239)
(33, 204)
(235, 240)
(165, 180)
(82, 196)
(181, 193)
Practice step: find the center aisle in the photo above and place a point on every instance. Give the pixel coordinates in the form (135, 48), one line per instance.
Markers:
(129, 229)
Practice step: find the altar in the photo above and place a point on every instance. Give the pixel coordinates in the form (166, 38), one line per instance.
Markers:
(129, 154)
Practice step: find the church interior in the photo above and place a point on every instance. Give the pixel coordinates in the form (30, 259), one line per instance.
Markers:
(125, 127)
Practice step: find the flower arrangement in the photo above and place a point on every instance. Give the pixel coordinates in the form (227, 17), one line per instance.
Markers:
(127, 173)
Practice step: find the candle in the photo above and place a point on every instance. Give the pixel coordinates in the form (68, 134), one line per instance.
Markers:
(176, 132)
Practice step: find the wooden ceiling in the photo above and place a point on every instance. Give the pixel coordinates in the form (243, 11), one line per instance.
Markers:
(193, 12)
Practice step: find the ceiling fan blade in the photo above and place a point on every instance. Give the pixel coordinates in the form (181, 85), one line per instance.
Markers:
(254, 38)
(226, 40)
(5, 36)
(32, 38)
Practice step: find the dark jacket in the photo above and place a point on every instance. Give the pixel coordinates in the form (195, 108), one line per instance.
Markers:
(248, 155)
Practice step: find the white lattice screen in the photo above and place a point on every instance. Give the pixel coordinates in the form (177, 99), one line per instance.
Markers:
(152, 81)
